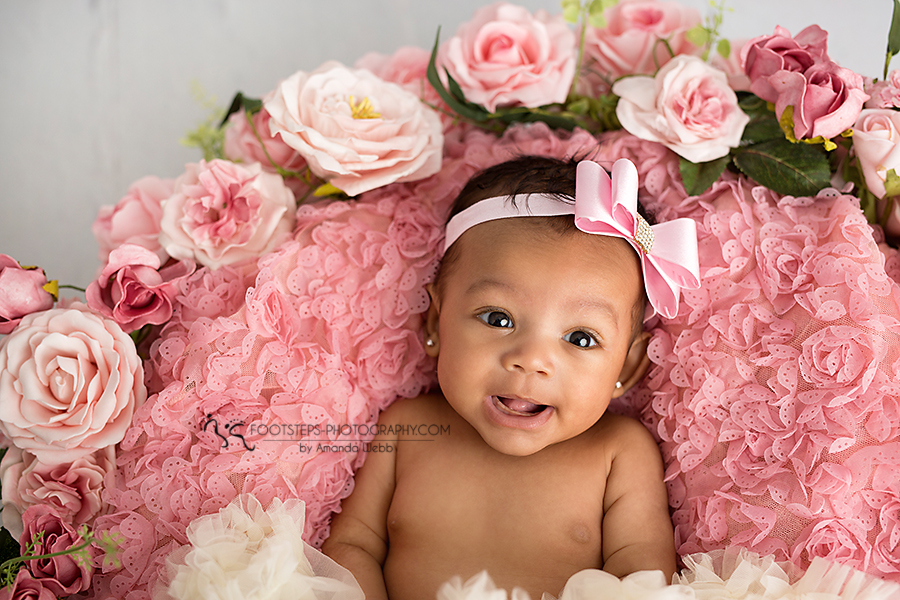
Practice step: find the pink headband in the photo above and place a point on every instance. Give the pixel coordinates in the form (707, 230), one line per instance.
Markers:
(605, 206)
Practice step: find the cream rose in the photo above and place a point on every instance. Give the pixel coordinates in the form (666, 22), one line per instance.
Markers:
(70, 381)
(687, 107)
(355, 130)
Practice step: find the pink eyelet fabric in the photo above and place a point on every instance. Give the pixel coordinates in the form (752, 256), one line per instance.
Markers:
(775, 393)
(324, 331)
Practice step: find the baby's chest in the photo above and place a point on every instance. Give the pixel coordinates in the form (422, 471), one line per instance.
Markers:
(513, 507)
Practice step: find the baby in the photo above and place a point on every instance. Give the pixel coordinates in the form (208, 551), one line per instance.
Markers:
(536, 323)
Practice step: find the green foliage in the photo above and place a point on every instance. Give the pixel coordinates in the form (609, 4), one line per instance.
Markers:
(553, 115)
(209, 137)
(893, 45)
(707, 36)
(108, 544)
(786, 168)
(763, 125)
(699, 177)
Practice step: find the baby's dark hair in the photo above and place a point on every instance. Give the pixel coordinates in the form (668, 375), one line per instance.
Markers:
(527, 175)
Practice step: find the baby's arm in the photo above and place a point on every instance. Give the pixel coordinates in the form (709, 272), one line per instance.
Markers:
(637, 528)
(359, 538)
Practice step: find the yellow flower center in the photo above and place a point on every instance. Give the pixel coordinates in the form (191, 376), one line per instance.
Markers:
(363, 110)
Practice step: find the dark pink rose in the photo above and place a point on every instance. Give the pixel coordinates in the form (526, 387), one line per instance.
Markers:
(222, 212)
(71, 489)
(133, 291)
(765, 55)
(25, 587)
(21, 293)
(631, 42)
(134, 219)
(507, 56)
(64, 574)
(826, 99)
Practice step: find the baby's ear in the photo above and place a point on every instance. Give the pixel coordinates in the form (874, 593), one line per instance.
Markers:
(636, 364)
(432, 340)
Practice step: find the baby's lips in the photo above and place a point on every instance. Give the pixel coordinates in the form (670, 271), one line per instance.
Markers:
(520, 405)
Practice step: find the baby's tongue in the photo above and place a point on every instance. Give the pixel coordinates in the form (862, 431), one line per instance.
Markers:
(522, 406)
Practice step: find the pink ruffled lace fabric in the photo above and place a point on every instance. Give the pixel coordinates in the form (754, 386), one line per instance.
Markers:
(775, 393)
(324, 331)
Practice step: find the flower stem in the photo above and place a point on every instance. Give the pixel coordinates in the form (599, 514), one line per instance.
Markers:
(72, 287)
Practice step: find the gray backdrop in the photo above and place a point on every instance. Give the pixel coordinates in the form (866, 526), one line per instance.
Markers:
(95, 94)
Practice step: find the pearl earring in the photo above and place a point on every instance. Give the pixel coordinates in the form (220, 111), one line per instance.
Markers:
(429, 342)
(618, 385)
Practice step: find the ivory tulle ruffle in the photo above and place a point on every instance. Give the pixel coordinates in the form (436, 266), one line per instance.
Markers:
(731, 574)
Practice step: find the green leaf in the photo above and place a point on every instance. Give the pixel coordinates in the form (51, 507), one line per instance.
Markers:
(891, 183)
(762, 125)
(786, 168)
(699, 177)
(596, 16)
(571, 9)
(465, 109)
(581, 106)
(724, 48)
(240, 101)
(698, 35)
(893, 45)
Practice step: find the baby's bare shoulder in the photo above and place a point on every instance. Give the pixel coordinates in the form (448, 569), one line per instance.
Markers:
(405, 411)
(621, 433)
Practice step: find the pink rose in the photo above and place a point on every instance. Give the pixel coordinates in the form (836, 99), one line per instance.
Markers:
(765, 55)
(505, 56)
(241, 144)
(688, 107)
(21, 293)
(876, 136)
(884, 94)
(355, 130)
(826, 99)
(407, 67)
(134, 219)
(133, 291)
(71, 489)
(62, 575)
(70, 382)
(221, 213)
(631, 42)
(25, 587)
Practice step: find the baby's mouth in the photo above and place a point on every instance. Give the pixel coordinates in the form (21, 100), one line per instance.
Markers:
(519, 406)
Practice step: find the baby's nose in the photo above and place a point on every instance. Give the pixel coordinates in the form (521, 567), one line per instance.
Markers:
(529, 354)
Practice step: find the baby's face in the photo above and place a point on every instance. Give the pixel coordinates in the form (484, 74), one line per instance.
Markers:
(533, 331)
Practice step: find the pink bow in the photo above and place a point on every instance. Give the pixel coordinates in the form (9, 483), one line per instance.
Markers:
(668, 251)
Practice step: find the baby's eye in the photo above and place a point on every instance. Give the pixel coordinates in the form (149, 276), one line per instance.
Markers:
(580, 339)
(496, 318)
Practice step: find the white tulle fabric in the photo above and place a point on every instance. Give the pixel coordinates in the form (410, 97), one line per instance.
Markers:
(732, 574)
(246, 552)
